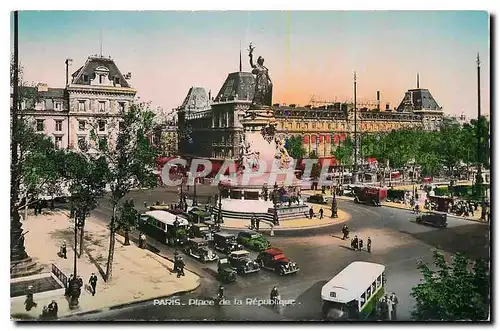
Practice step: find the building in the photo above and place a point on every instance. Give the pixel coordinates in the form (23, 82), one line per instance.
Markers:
(216, 130)
(166, 139)
(92, 98)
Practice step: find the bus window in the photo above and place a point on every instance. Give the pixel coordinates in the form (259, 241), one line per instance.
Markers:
(369, 292)
(162, 226)
(379, 281)
(363, 299)
(374, 286)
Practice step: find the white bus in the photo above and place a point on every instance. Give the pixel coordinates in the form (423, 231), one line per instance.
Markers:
(353, 293)
(164, 226)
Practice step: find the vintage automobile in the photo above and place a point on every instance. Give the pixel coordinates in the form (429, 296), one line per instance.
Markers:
(226, 242)
(198, 215)
(214, 227)
(317, 198)
(225, 273)
(370, 195)
(198, 248)
(253, 240)
(200, 231)
(274, 259)
(432, 218)
(242, 263)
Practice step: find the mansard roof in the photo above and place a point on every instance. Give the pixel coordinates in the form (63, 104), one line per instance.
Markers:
(196, 100)
(418, 99)
(94, 62)
(240, 84)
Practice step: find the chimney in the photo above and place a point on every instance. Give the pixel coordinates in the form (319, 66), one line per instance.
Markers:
(387, 107)
(68, 64)
(378, 100)
(42, 87)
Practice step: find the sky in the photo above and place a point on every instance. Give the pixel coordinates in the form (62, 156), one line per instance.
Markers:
(308, 53)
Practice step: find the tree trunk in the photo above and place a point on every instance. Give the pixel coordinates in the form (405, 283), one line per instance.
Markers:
(127, 238)
(82, 231)
(111, 252)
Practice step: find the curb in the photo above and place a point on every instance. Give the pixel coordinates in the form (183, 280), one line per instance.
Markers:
(449, 215)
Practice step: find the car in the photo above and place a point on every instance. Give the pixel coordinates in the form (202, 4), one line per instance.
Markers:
(225, 272)
(432, 218)
(274, 259)
(317, 198)
(198, 215)
(226, 242)
(242, 263)
(198, 248)
(200, 231)
(253, 240)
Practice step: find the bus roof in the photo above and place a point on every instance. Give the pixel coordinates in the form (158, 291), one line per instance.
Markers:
(351, 282)
(166, 217)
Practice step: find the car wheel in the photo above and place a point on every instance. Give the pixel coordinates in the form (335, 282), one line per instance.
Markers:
(261, 263)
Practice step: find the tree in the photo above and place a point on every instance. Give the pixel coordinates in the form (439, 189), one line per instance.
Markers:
(344, 154)
(295, 147)
(127, 219)
(131, 161)
(454, 291)
(85, 176)
(315, 174)
(451, 147)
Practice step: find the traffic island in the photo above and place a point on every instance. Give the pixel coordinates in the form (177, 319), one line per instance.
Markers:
(138, 274)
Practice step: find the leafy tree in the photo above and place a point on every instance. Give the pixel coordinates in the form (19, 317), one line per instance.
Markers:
(131, 161)
(295, 147)
(85, 176)
(313, 155)
(344, 154)
(127, 219)
(454, 291)
(451, 148)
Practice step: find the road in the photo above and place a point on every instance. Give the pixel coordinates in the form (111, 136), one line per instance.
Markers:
(397, 242)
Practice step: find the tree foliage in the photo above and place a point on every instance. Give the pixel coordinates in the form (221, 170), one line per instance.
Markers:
(453, 291)
(344, 153)
(295, 147)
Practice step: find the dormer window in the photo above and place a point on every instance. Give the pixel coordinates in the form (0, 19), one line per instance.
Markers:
(101, 79)
(117, 80)
(85, 78)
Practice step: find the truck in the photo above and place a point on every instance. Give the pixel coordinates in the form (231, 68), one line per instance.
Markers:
(369, 195)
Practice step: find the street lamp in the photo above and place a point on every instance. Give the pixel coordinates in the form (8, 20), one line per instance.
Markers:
(76, 283)
(275, 205)
(181, 195)
(195, 202)
(219, 212)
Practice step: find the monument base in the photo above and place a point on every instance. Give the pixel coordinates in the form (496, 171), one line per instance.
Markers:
(24, 267)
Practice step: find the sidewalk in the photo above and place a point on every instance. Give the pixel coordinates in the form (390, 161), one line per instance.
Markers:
(292, 224)
(138, 274)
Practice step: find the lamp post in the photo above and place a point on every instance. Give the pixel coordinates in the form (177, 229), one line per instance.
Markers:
(195, 202)
(479, 176)
(76, 282)
(355, 172)
(181, 195)
(219, 211)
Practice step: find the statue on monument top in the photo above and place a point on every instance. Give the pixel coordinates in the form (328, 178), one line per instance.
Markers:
(263, 85)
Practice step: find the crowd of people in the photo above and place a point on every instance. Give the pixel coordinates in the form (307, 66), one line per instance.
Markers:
(357, 244)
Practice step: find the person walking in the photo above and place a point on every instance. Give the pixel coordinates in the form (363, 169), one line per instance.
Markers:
(369, 245)
(311, 213)
(360, 245)
(93, 283)
(64, 250)
(320, 213)
(180, 268)
(52, 309)
(257, 224)
(394, 301)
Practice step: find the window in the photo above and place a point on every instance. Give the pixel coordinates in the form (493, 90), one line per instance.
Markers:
(117, 80)
(57, 106)
(81, 125)
(369, 292)
(102, 106)
(40, 125)
(297, 125)
(314, 125)
(82, 143)
(85, 78)
(121, 106)
(81, 105)
(58, 125)
(363, 299)
(58, 141)
(329, 126)
(102, 126)
(101, 79)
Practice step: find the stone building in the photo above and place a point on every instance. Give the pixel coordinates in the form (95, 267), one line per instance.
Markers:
(92, 98)
(215, 130)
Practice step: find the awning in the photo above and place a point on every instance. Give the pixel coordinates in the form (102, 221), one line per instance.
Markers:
(327, 159)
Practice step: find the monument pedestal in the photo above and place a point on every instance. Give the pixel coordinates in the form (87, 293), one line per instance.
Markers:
(24, 267)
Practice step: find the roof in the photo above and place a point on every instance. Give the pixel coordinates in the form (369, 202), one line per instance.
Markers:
(196, 100)
(273, 251)
(52, 93)
(238, 86)
(351, 282)
(92, 63)
(198, 240)
(418, 99)
(240, 252)
(166, 217)
(224, 234)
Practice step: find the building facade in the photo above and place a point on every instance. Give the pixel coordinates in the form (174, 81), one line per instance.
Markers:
(92, 99)
(215, 129)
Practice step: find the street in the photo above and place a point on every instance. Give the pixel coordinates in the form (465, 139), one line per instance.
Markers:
(397, 242)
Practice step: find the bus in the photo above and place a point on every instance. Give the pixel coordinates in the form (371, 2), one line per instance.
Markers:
(164, 226)
(354, 292)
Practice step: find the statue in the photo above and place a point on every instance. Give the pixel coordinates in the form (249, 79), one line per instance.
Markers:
(263, 85)
(281, 152)
(248, 158)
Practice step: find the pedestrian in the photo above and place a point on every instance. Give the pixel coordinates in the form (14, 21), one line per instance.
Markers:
(272, 230)
(369, 245)
(180, 268)
(64, 250)
(93, 283)
(52, 309)
(252, 222)
(354, 243)
(29, 302)
(360, 245)
(320, 213)
(257, 224)
(311, 213)
(394, 301)
(143, 239)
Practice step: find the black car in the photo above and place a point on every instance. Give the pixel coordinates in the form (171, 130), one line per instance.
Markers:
(226, 242)
(198, 248)
(317, 198)
(200, 231)
(242, 263)
(274, 259)
(432, 218)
